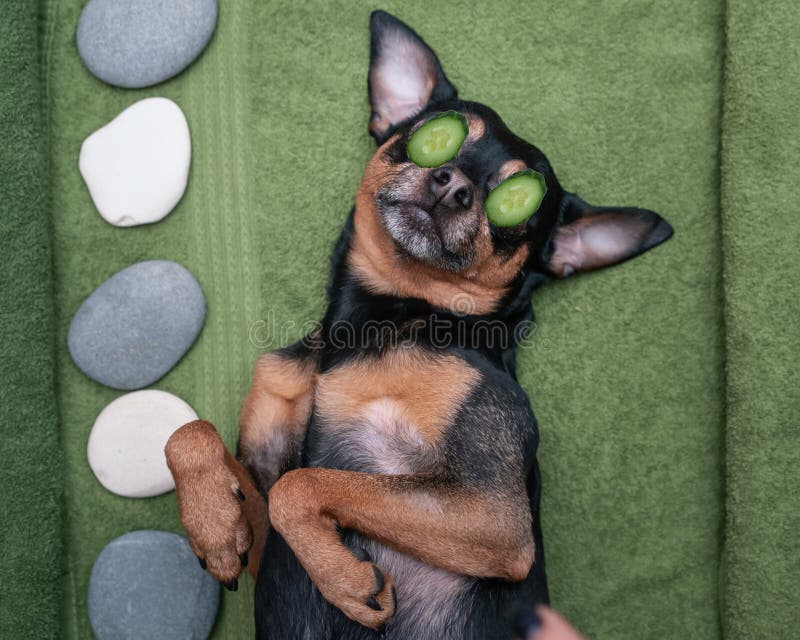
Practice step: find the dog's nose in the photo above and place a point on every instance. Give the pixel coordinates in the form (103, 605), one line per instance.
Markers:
(451, 188)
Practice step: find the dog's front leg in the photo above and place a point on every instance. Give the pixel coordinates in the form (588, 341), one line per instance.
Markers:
(222, 510)
(447, 525)
(222, 499)
(276, 411)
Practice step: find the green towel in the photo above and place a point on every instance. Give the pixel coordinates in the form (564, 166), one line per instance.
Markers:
(665, 410)
(31, 468)
(216, 232)
(761, 236)
(625, 369)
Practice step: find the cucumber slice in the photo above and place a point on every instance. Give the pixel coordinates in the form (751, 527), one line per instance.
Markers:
(438, 140)
(516, 198)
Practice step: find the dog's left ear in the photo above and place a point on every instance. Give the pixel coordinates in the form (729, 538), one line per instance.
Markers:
(404, 75)
(589, 238)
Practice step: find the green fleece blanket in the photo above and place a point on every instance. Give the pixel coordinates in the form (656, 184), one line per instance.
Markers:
(663, 387)
(30, 458)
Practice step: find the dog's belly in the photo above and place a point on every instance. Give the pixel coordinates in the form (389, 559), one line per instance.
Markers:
(388, 417)
(433, 604)
(381, 440)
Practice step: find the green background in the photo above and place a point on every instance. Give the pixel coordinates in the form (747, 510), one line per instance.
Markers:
(663, 387)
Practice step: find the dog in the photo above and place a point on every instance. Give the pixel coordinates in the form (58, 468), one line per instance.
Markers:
(386, 482)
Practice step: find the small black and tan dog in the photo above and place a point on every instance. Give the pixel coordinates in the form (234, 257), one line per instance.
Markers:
(394, 448)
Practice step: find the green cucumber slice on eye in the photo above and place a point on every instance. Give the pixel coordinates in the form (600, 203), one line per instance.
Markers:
(516, 198)
(438, 140)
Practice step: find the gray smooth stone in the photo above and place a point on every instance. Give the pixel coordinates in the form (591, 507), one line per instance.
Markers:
(137, 325)
(139, 43)
(148, 584)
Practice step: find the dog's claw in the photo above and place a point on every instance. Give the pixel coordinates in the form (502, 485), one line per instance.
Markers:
(232, 585)
(202, 562)
(239, 494)
(362, 554)
(243, 558)
(379, 581)
(373, 604)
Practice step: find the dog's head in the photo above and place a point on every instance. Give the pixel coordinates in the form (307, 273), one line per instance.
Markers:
(431, 223)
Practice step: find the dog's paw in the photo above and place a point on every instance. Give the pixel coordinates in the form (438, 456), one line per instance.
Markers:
(358, 587)
(216, 526)
(362, 591)
(210, 501)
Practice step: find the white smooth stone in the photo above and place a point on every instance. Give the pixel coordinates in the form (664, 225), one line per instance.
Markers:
(126, 445)
(137, 166)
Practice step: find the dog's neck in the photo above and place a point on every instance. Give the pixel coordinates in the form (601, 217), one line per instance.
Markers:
(377, 306)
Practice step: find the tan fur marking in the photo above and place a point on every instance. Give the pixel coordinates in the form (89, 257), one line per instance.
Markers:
(278, 404)
(509, 168)
(427, 390)
(476, 127)
(374, 259)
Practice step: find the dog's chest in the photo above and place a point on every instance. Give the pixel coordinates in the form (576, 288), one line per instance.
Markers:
(387, 414)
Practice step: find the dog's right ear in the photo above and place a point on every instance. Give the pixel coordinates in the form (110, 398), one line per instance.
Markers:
(404, 75)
